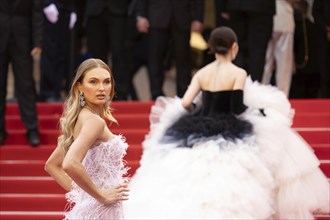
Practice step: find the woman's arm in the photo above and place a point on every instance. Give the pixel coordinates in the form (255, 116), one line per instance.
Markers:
(191, 93)
(237, 101)
(90, 131)
(53, 166)
(240, 80)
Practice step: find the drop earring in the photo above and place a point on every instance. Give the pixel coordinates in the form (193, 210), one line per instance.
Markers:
(82, 99)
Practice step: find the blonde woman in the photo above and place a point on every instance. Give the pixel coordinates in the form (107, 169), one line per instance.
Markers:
(88, 159)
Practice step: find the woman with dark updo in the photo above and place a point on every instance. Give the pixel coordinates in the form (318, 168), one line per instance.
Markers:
(225, 151)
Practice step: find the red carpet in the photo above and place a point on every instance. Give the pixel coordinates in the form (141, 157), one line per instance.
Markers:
(27, 192)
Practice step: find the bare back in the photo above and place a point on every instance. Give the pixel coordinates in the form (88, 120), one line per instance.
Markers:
(214, 77)
(221, 76)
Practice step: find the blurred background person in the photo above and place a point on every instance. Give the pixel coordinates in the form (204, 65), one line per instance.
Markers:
(137, 48)
(306, 78)
(279, 56)
(21, 25)
(59, 19)
(164, 21)
(220, 18)
(106, 33)
(252, 20)
(321, 14)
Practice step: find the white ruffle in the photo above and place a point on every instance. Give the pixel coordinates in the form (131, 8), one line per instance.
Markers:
(302, 187)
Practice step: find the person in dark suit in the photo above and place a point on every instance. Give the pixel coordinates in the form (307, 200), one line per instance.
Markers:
(21, 37)
(106, 32)
(59, 19)
(252, 20)
(137, 48)
(321, 14)
(165, 20)
(219, 19)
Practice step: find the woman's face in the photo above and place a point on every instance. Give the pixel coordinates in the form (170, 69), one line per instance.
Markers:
(96, 86)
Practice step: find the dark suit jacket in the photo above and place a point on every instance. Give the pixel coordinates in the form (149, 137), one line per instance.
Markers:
(161, 12)
(68, 5)
(321, 13)
(260, 6)
(24, 19)
(116, 7)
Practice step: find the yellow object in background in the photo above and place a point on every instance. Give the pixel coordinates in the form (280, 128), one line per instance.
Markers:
(197, 41)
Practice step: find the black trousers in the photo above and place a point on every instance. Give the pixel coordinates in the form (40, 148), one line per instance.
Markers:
(17, 52)
(107, 33)
(54, 64)
(138, 58)
(324, 57)
(254, 31)
(158, 45)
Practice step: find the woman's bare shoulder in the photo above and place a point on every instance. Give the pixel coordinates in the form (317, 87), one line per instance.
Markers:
(209, 68)
(92, 119)
(239, 71)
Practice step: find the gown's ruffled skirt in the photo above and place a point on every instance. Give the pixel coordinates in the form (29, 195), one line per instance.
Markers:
(270, 175)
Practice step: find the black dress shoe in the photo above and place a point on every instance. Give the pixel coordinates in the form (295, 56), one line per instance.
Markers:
(3, 136)
(33, 137)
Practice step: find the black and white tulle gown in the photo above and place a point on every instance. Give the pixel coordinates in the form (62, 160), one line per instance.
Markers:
(234, 157)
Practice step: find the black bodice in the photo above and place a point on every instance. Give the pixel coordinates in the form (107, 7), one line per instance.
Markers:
(229, 101)
(217, 118)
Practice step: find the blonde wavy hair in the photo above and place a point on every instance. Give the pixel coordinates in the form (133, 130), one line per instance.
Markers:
(72, 106)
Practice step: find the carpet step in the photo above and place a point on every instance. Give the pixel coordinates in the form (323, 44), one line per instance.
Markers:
(36, 167)
(21, 215)
(316, 136)
(56, 108)
(23, 152)
(30, 215)
(47, 122)
(49, 204)
(32, 202)
(136, 136)
(133, 136)
(136, 121)
(325, 167)
(312, 120)
(322, 217)
(42, 109)
(300, 106)
(322, 151)
(311, 105)
(134, 152)
(30, 185)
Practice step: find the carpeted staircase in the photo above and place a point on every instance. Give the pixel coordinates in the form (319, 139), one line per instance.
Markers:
(27, 192)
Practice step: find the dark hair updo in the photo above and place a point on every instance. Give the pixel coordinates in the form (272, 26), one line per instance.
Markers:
(221, 40)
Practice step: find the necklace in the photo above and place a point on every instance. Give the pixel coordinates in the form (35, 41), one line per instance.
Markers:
(92, 110)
